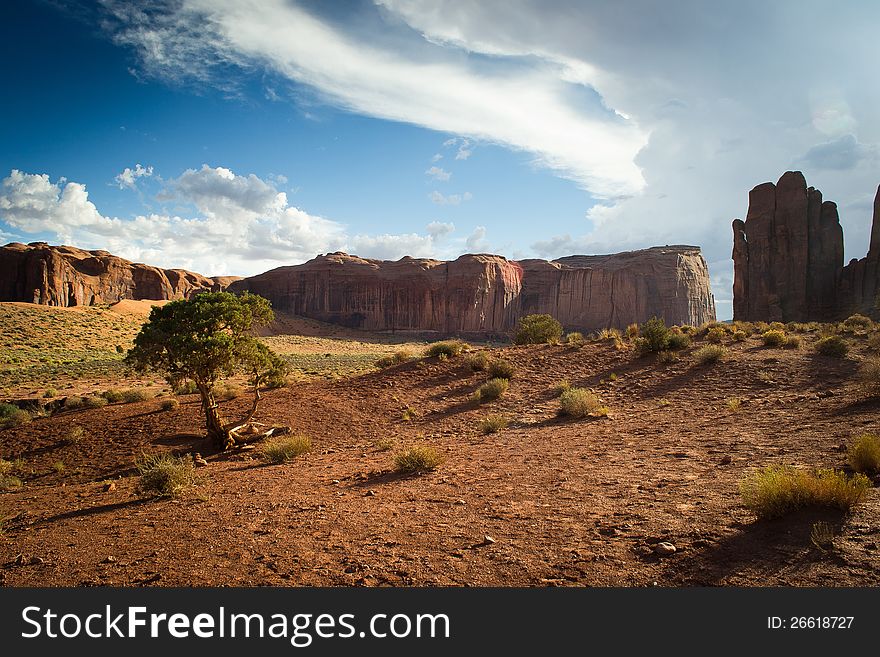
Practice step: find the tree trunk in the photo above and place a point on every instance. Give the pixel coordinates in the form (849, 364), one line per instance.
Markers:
(217, 430)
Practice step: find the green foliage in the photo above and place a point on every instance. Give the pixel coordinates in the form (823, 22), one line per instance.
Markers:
(493, 424)
(857, 321)
(578, 402)
(398, 357)
(501, 369)
(185, 388)
(677, 341)
(420, 458)
(561, 387)
(654, 336)
(7, 479)
(13, 416)
(864, 454)
(869, 375)
(285, 448)
(492, 389)
(448, 348)
(716, 334)
(833, 346)
(133, 395)
(792, 342)
(165, 475)
(50, 392)
(709, 354)
(773, 338)
(537, 329)
(778, 490)
(739, 336)
(169, 404)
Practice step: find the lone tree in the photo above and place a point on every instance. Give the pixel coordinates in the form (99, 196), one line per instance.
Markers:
(204, 339)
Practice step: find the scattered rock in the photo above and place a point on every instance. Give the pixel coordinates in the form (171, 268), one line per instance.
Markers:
(110, 485)
(110, 559)
(199, 461)
(664, 549)
(36, 561)
(725, 460)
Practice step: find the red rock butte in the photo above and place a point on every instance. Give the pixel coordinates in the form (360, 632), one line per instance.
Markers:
(487, 294)
(788, 258)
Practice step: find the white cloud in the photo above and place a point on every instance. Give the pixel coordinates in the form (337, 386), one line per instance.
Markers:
(422, 84)
(437, 173)
(128, 178)
(476, 241)
(452, 199)
(439, 229)
(436, 157)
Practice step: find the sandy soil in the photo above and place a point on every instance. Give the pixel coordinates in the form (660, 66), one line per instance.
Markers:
(563, 502)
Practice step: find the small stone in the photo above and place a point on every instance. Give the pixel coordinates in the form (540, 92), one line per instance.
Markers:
(109, 486)
(725, 460)
(335, 481)
(664, 549)
(110, 559)
(36, 561)
(199, 461)
(460, 502)
(488, 540)
(370, 493)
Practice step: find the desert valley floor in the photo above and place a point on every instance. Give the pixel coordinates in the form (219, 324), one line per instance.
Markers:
(548, 501)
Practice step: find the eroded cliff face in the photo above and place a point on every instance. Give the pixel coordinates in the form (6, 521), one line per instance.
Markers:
(788, 258)
(487, 293)
(67, 276)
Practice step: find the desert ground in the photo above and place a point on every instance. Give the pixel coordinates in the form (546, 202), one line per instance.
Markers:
(547, 501)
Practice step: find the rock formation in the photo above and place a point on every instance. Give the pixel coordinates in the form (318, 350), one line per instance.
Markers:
(487, 293)
(67, 276)
(788, 258)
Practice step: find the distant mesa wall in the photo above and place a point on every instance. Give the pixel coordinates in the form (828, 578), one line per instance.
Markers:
(486, 294)
(67, 276)
(788, 258)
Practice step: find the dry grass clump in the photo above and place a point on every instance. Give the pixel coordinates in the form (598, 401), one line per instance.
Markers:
(773, 338)
(448, 348)
(94, 401)
(285, 448)
(792, 342)
(169, 404)
(226, 390)
(574, 338)
(578, 402)
(561, 387)
(734, 404)
(677, 340)
(833, 346)
(7, 479)
(716, 334)
(656, 337)
(869, 376)
(779, 489)
(864, 454)
(739, 336)
(186, 388)
(501, 369)
(12, 416)
(113, 396)
(478, 361)
(385, 444)
(632, 331)
(133, 395)
(492, 389)
(419, 458)
(398, 357)
(854, 322)
(165, 475)
(493, 424)
(667, 357)
(709, 354)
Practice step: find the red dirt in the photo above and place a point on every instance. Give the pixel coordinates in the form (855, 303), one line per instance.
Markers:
(567, 502)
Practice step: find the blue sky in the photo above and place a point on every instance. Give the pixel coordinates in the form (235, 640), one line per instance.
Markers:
(232, 137)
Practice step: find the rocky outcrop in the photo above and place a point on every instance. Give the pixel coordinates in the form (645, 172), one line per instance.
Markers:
(67, 276)
(788, 258)
(487, 293)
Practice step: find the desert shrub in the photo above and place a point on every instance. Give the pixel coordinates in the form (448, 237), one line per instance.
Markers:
(402, 356)
(734, 403)
(277, 378)
(739, 336)
(419, 458)
(58, 466)
(186, 388)
(492, 424)
(716, 334)
(478, 361)
(12, 416)
(492, 389)
(73, 402)
(409, 413)
(165, 475)
(7, 479)
(50, 392)
(226, 390)
(711, 353)
(169, 404)
(561, 387)
(501, 369)
(537, 329)
(773, 338)
(574, 338)
(632, 331)
(74, 435)
(864, 454)
(654, 336)
(135, 395)
(833, 346)
(778, 489)
(613, 377)
(857, 321)
(678, 341)
(448, 348)
(94, 401)
(777, 326)
(285, 448)
(385, 444)
(874, 342)
(792, 342)
(689, 330)
(113, 396)
(578, 402)
(666, 357)
(869, 376)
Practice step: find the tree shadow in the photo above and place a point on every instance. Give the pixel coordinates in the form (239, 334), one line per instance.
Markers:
(383, 477)
(764, 548)
(94, 510)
